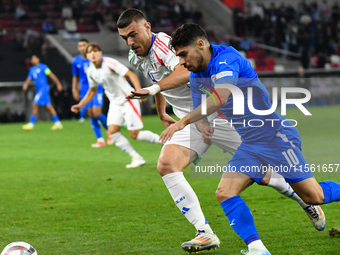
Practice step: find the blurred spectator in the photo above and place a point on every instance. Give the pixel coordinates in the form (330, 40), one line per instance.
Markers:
(3, 32)
(48, 27)
(98, 19)
(66, 11)
(20, 12)
(70, 25)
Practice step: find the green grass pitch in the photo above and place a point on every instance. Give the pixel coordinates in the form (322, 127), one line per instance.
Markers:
(64, 197)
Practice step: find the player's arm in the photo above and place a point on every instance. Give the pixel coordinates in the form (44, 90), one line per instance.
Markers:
(55, 80)
(87, 98)
(134, 79)
(195, 115)
(161, 106)
(75, 87)
(26, 84)
(179, 77)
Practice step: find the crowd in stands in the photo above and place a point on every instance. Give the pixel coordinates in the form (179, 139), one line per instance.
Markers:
(312, 29)
(50, 16)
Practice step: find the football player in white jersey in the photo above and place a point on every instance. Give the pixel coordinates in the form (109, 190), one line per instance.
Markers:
(111, 75)
(149, 53)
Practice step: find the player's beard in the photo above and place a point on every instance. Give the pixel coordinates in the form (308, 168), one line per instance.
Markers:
(199, 61)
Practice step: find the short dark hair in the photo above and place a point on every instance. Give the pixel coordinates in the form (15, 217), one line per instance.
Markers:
(94, 46)
(83, 40)
(128, 16)
(187, 34)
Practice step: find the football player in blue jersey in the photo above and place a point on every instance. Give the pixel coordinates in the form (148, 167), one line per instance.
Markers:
(39, 73)
(94, 108)
(227, 76)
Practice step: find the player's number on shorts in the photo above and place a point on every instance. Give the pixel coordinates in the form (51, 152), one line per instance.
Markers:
(291, 157)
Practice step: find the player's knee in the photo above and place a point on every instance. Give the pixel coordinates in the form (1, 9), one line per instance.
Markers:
(316, 198)
(264, 181)
(165, 167)
(223, 193)
(134, 135)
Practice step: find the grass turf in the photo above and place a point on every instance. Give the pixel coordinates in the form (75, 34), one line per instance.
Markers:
(64, 197)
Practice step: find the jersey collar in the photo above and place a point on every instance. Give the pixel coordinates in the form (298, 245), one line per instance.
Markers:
(153, 39)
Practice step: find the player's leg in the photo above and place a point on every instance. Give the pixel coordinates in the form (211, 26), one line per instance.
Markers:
(171, 164)
(33, 118)
(240, 218)
(82, 114)
(93, 113)
(316, 193)
(57, 124)
(115, 120)
(133, 119)
(144, 135)
(314, 212)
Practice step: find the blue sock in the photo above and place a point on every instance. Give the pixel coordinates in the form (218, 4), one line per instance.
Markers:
(96, 128)
(103, 120)
(331, 191)
(82, 113)
(55, 118)
(240, 219)
(33, 118)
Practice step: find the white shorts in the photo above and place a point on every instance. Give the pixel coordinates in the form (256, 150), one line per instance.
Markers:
(127, 114)
(224, 137)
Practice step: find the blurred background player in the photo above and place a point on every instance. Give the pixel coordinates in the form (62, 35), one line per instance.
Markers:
(111, 74)
(39, 72)
(80, 65)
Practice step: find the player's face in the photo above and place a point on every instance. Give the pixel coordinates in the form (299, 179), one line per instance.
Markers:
(34, 60)
(82, 47)
(94, 55)
(137, 36)
(191, 58)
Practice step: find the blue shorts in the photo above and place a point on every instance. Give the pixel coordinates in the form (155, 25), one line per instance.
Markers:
(42, 97)
(285, 158)
(97, 100)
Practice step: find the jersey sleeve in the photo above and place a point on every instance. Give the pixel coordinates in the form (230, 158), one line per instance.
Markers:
(116, 66)
(75, 69)
(164, 53)
(227, 68)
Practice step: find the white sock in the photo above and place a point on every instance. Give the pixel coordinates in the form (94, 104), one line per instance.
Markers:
(148, 136)
(279, 184)
(101, 139)
(124, 144)
(57, 123)
(257, 245)
(186, 200)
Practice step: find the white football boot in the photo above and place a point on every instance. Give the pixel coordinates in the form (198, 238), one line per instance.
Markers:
(136, 162)
(316, 216)
(202, 241)
(256, 252)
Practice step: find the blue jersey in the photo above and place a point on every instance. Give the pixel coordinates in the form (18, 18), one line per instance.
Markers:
(79, 68)
(39, 75)
(227, 65)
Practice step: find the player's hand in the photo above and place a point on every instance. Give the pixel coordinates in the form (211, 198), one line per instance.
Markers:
(75, 108)
(169, 132)
(167, 120)
(59, 87)
(207, 133)
(76, 95)
(139, 94)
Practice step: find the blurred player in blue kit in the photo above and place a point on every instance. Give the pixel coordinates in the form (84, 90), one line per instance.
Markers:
(270, 144)
(39, 73)
(80, 65)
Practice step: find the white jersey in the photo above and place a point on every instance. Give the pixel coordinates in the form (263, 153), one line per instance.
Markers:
(111, 76)
(159, 64)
